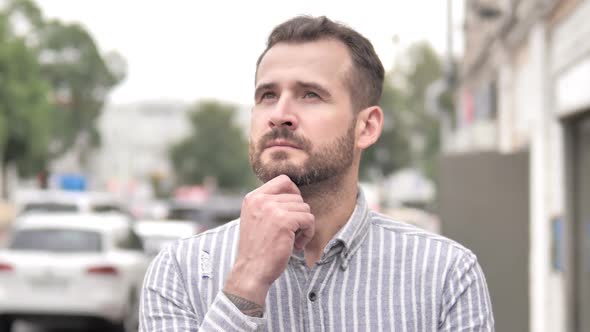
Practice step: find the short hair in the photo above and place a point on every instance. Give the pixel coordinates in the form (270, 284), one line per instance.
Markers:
(365, 81)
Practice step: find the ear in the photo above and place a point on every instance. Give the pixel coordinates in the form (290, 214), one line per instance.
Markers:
(368, 126)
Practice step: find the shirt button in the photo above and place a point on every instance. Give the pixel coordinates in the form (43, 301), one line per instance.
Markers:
(312, 296)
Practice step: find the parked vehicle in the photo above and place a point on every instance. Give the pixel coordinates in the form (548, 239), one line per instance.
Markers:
(72, 270)
(157, 234)
(59, 201)
(215, 211)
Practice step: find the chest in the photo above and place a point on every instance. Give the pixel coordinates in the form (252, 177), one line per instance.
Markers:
(375, 292)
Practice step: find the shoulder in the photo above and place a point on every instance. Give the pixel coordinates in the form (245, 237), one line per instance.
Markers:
(439, 244)
(205, 240)
(183, 257)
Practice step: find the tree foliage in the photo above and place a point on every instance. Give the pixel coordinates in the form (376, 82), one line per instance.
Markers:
(391, 151)
(80, 78)
(217, 148)
(24, 109)
(411, 133)
(53, 84)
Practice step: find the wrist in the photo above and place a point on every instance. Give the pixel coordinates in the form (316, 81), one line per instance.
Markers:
(246, 286)
(247, 307)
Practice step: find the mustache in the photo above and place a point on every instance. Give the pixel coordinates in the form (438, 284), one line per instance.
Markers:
(285, 134)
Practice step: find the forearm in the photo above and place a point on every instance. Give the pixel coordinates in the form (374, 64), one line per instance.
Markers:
(166, 304)
(222, 315)
(246, 290)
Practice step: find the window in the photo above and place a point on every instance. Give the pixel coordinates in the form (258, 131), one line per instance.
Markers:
(130, 241)
(50, 207)
(57, 240)
(106, 208)
(186, 213)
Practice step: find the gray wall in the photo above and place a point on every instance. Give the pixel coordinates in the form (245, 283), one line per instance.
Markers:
(578, 220)
(484, 205)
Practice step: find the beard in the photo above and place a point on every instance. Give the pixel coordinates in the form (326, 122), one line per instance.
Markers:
(323, 164)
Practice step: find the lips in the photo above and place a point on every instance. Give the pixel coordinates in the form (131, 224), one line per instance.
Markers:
(281, 143)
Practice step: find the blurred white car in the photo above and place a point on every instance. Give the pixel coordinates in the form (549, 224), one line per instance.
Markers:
(59, 201)
(72, 269)
(157, 234)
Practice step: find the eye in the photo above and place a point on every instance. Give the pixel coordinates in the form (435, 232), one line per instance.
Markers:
(268, 95)
(311, 94)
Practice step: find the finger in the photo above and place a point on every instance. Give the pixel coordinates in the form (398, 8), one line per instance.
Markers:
(306, 230)
(294, 207)
(286, 198)
(301, 240)
(279, 185)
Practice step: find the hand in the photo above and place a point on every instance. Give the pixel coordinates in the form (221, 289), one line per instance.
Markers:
(274, 219)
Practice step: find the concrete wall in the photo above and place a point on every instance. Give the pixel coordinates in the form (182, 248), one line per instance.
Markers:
(484, 204)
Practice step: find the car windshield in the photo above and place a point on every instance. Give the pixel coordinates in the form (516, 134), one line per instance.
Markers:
(59, 240)
(50, 207)
(107, 209)
(182, 213)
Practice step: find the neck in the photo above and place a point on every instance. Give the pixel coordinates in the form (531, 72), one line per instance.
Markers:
(332, 203)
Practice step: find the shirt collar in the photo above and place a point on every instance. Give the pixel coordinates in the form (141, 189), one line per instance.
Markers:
(355, 229)
(351, 235)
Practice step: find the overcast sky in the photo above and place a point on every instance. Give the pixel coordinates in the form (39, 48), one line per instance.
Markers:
(188, 49)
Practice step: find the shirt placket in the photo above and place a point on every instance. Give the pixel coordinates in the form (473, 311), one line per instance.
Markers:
(312, 280)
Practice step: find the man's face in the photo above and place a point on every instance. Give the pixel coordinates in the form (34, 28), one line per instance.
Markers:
(303, 124)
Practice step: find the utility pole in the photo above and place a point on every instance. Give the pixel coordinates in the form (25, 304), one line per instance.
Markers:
(450, 62)
(443, 84)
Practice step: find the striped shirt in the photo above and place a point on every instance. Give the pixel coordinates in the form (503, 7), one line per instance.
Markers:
(374, 275)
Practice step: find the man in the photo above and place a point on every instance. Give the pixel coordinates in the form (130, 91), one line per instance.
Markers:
(307, 254)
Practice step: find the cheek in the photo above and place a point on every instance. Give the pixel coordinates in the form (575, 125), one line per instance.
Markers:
(253, 140)
(256, 128)
(326, 130)
(256, 119)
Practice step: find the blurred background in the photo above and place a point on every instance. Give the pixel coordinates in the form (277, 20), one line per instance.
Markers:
(124, 125)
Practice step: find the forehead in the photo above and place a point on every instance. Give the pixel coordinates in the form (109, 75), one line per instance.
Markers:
(324, 61)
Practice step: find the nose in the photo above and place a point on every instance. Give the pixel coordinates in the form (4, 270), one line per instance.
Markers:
(283, 114)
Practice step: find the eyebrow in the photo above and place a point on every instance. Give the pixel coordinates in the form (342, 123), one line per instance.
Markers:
(315, 86)
(263, 87)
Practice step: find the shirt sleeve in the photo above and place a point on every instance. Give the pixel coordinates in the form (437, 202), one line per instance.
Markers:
(466, 301)
(166, 306)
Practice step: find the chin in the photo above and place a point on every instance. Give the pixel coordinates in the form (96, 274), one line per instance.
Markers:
(276, 159)
(281, 167)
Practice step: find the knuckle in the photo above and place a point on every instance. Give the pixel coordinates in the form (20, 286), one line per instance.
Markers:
(291, 226)
(280, 214)
(247, 199)
(267, 207)
(252, 200)
(251, 194)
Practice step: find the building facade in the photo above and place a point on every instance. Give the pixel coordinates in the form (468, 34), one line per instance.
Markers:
(524, 120)
(136, 139)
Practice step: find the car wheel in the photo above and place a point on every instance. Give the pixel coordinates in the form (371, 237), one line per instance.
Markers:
(5, 324)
